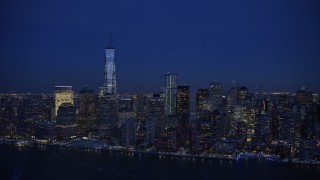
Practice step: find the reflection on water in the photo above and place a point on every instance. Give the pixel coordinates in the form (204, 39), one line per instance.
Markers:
(19, 166)
(41, 162)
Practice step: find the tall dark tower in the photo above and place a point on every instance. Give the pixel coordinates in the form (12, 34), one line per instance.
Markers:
(86, 117)
(183, 111)
(202, 99)
(216, 94)
(183, 100)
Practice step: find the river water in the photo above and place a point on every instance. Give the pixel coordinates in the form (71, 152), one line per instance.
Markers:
(58, 163)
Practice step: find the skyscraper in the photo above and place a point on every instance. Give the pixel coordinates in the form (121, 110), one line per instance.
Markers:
(128, 133)
(202, 99)
(183, 100)
(170, 93)
(243, 93)
(110, 80)
(86, 117)
(108, 104)
(304, 96)
(216, 93)
(155, 117)
(262, 127)
(66, 122)
(183, 111)
(62, 94)
(45, 131)
(289, 126)
(141, 114)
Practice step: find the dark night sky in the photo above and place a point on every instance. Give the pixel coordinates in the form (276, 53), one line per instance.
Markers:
(272, 42)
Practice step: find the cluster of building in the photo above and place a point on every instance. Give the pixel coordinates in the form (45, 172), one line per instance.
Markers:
(174, 120)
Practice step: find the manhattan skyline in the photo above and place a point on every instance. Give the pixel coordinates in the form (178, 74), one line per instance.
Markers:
(272, 43)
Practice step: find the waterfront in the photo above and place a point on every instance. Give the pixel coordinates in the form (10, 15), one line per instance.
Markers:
(59, 163)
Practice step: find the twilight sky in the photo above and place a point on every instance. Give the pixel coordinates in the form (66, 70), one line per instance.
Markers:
(271, 42)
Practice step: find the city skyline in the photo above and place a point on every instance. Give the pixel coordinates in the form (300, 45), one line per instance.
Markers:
(275, 44)
(169, 89)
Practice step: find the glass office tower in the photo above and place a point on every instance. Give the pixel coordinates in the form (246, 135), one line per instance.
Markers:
(110, 80)
(170, 93)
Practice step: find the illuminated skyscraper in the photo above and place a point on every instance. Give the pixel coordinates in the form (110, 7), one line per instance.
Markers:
(110, 80)
(170, 105)
(170, 93)
(62, 94)
(108, 103)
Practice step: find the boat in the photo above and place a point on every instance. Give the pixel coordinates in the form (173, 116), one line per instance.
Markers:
(23, 143)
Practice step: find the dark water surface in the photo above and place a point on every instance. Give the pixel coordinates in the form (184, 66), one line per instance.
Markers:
(54, 163)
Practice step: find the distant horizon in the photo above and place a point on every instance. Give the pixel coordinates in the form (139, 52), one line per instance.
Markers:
(192, 90)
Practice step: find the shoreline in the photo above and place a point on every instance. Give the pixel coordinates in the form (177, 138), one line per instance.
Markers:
(235, 157)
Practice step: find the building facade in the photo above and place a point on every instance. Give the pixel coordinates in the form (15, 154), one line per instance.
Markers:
(63, 94)
(87, 115)
(216, 94)
(66, 121)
